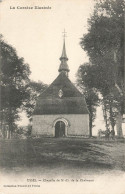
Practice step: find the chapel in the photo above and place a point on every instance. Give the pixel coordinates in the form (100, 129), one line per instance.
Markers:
(61, 110)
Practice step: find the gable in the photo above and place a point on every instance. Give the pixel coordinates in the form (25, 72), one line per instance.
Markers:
(61, 83)
(61, 97)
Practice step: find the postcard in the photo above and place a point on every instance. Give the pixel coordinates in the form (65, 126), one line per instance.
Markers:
(62, 109)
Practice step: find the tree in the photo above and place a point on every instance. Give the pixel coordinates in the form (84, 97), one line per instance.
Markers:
(14, 79)
(91, 95)
(34, 89)
(104, 44)
(110, 109)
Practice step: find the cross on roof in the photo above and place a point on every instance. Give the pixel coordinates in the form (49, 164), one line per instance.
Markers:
(64, 34)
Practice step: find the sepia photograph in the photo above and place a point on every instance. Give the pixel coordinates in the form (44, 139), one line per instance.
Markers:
(62, 97)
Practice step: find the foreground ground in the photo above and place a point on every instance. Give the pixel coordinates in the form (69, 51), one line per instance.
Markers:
(53, 156)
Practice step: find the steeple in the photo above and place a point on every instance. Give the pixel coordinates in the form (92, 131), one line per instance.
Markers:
(64, 66)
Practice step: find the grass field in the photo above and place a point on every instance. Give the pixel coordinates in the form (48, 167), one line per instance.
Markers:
(61, 156)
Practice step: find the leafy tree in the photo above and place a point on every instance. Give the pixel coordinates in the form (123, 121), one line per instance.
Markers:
(34, 89)
(110, 109)
(14, 79)
(104, 44)
(84, 81)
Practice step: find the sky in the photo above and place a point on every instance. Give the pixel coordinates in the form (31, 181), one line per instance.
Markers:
(37, 36)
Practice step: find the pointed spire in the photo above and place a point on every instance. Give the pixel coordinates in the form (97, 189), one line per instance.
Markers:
(64, 51)
(64, 66)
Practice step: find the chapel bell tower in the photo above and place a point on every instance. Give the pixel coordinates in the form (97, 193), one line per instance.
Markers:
(64, 66)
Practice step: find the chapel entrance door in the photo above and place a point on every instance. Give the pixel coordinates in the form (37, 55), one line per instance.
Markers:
(60, 129)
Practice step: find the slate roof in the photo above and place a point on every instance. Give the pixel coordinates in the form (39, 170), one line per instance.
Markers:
(71, 102)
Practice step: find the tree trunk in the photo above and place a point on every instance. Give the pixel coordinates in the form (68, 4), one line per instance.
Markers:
(111, 117)
(7, 135)
(90, 125)
(10, 131)
(10, 134)
(10, 123)
(119, 125)
(105, 116)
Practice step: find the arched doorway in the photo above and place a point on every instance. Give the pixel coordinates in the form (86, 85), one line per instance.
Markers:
(60, 129)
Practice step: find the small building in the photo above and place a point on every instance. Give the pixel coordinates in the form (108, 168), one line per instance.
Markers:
(61, 110)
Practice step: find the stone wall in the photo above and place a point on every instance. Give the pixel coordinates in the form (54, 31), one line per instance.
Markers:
(76, 124)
